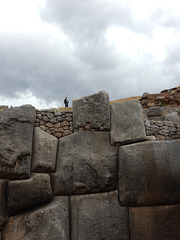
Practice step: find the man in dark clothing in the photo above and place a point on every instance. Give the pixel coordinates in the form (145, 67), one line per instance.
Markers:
(66, 102)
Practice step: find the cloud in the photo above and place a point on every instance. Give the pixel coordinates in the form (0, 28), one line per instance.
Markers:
(75, 48)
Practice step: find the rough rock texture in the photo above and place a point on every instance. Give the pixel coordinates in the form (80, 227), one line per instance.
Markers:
(48, 222)
(149, 173)
(25, 194)
(157, 222)
(174, 117)
(98, 216)
(154, 111)
(92, 112)
(3, 203)
(44, 151)
(127, 124)
(16, 132)
(86, 163)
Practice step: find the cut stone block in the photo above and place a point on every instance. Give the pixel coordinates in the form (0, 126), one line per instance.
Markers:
(154, 111)
(44, 151)
(127, 125)
(174, 117)
(86, 163)
(149, 173)
(3, 203)
(16, 133)
(48, 222)
(98, 216)
(157, 222)
(26, 194)
(92, 112)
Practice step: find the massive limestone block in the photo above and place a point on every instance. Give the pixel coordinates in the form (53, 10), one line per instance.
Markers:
(49, 222)
(92, 112)
(149, 173)
(86, 163)
(157, 222)
(26, 194)
(98, 216)
(3, 203)
(44, 151)
(127, 125)
(16, 133)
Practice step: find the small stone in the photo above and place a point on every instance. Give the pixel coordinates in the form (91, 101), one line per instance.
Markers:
(151, 138)
(49, 124)
(53, 120)
(159, 123)
(57, 125)
(168, 123)
(60, 119)
(49, 115)
(154, 128)
(147, 123)
(45, 118)
(160, 137)
(164, 132)
(42, 127)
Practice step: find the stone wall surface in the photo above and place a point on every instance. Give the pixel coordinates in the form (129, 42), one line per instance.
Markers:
(88, 174)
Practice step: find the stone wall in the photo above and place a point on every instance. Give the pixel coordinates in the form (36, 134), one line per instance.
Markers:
(102, 181)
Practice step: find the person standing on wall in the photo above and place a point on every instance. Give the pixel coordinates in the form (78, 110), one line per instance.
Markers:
(66, 102)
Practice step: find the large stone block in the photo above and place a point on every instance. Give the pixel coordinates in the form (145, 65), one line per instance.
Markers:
(157, 222)
(48, 222)
(86, 163)
(16, 133)
(174, 117)
(149, 173)
(3, 203)
(127, 125)
(98, 216)
(26, 194)
(44, 151)
(92, 112)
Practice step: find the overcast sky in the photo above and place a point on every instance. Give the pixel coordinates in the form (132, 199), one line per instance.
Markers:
(50, 49)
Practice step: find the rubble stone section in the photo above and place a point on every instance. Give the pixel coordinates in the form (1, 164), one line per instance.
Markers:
(149, 173)
(86, 163)
(44, 152)
(92, 112)
(16, 133)
(98, 216)
(26, 194)
(58, 124)
(3, 203)
(48, 222)
(127, 124)
(157, 222)
(162, 130)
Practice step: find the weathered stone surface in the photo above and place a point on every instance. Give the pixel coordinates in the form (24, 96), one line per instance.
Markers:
(149, 173)
(154, 111)
(86, 163)
(127, 123)
(44, 151)
(98, 216)
(26, 194)
(3, 203)
(157, 222)
(50, 222)
(93, 111)
(174, 117)
(16, 132)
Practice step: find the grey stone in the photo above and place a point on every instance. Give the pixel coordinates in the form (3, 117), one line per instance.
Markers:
(49, 115)
(53, 120)
(49, 222)
(154, 111)
(168, 123)
(26, 194)
(92, 110)
(174, 117)
(98, 216)
(3, 203)
(159, 123)
(149, 173)
(127, 124)
(86, 163)
(164, 132)
(157, 222)
(44, 118)
(151, 138)
(44, 151)
(60, 119)
(16, 133)
(147, 123)
(154, 129)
